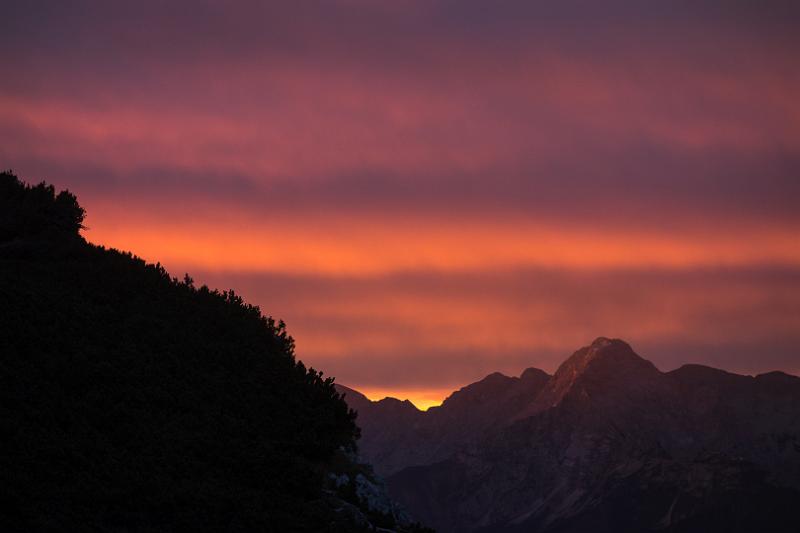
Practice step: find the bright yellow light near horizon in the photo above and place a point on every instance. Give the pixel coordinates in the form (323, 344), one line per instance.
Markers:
(423, 399)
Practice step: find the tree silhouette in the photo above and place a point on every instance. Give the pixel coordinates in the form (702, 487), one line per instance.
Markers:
(35, 211)
(130, 400)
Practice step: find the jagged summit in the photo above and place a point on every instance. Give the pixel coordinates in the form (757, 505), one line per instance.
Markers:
(609, 349)
(479, 391)
(601, 369)
(612, 358)
(397, 404)
(605, 366)
(608, 432)
(601, 342)
(602, 351)
(365, 407)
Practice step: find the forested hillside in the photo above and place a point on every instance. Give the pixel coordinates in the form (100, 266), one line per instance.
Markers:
(131, 400)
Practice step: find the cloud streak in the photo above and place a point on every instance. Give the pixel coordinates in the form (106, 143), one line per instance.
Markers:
(429, 329)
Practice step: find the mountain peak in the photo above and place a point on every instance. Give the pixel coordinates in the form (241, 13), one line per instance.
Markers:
(602, 351)
(601, 342)
(534, 374)
(605, 365)
(397, 403)
(478, 392)
(534, 380)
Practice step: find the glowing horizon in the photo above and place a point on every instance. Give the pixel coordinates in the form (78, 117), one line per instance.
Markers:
(428, 192)
(423, 399)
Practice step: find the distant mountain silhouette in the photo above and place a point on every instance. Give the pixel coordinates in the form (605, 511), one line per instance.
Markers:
(607, 444)
(132, 401)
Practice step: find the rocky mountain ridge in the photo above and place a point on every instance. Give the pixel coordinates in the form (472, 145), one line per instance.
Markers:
(608, 443)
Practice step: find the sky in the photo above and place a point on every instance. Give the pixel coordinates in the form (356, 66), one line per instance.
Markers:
(431, 191)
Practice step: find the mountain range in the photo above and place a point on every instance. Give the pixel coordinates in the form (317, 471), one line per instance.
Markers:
(606, 444)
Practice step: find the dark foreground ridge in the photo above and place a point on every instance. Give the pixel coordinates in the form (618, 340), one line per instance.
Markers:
(608, 444)
(132, 401)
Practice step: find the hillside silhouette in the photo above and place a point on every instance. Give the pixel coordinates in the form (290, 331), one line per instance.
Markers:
(134, 401)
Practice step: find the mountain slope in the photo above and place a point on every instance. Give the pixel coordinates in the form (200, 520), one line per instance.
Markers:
(611, 444)
(132, 401)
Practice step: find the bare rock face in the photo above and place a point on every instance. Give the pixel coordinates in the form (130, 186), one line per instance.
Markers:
(608, 443)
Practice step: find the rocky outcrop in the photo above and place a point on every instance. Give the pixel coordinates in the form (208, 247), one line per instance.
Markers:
(360, 500)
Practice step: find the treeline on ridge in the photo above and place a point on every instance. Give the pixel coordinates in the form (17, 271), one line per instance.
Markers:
(131, 400)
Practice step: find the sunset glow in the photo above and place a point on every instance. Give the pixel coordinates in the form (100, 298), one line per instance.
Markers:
(427, 191)
(423, 399)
